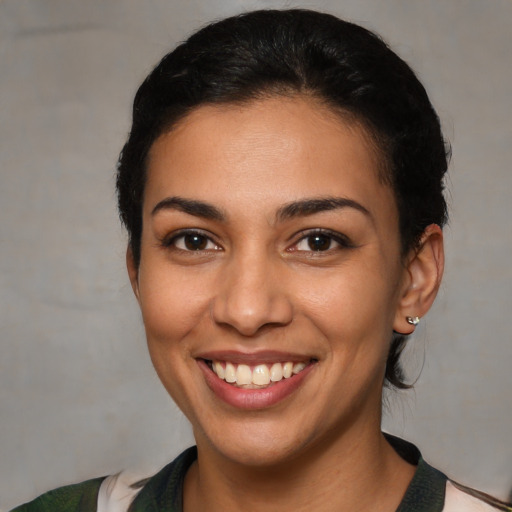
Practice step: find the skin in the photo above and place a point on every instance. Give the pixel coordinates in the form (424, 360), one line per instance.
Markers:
(256, 285)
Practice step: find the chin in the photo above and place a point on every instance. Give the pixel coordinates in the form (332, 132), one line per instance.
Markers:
(254, 443)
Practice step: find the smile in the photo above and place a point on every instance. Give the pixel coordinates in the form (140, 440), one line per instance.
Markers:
(254, 381)
(255, 376)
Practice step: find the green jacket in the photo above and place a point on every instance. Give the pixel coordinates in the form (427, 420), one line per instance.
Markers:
(164, 491)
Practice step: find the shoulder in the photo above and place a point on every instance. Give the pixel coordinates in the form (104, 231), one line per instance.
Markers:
(118, 491)
(431, 490)
(121, 492)
(459, 498)
(81, 497)
(163, 491)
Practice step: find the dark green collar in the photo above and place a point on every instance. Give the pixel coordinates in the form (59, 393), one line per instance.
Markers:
(427, 488)
(164, 491)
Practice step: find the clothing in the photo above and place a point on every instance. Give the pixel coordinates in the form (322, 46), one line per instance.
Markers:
(429, 491)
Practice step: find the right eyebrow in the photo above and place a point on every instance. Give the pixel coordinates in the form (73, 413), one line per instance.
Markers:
(191, 207)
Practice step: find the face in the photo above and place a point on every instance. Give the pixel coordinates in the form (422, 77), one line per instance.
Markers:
(270, 277)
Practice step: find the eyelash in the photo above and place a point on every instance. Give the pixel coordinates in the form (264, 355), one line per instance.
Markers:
(331, 237)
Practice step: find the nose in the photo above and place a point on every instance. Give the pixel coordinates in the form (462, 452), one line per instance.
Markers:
(251, 296)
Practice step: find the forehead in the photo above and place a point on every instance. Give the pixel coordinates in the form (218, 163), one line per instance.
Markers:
(271, 150)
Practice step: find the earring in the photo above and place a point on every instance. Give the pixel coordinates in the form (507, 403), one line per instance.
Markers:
(413, 320)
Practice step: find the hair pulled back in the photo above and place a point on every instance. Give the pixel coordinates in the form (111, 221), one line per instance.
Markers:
(285, 52)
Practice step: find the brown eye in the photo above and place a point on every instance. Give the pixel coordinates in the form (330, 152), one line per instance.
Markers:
(195, 242)
(192, 241)
(319, 242)
(322, 241)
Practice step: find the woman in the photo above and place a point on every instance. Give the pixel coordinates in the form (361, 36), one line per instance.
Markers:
(282, 187)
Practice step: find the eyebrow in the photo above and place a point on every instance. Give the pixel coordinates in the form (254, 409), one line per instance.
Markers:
(301, 208)
(190, 206)
(312, 206)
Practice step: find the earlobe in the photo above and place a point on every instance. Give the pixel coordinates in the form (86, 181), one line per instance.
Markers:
(133, 271)
(424, 273)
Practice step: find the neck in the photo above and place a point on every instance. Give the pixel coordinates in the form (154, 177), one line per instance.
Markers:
(356, 471)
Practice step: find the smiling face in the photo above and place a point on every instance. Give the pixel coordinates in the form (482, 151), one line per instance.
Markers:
(270, 278)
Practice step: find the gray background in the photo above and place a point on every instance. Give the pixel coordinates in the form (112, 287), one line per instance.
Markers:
(78, 396)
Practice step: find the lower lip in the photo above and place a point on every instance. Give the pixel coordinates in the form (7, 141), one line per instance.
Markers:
(252, 399)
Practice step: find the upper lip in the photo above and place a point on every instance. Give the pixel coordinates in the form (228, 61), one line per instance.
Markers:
(260, 357)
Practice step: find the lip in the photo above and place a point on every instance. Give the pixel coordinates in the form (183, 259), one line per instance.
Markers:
(253, 399)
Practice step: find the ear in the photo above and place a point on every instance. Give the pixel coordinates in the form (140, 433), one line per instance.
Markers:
(423, 275)
(133, 271)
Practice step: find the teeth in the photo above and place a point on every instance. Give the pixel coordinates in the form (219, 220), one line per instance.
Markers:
(297, 368)
(259, 375)
(219, 370)
(243, 375)
(276, 372)
(230, 373)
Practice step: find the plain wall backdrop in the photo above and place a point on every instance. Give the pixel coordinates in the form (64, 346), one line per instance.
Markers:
(78, 395)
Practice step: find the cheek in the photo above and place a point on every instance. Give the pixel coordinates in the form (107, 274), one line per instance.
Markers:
(351, 308)
(173, 309)
(172, 303)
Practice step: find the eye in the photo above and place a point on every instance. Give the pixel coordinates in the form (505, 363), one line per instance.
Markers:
(321, 241)
(318, 242)
(192, 241)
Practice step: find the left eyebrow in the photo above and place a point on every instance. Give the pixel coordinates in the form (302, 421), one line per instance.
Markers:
(306, 207)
